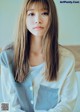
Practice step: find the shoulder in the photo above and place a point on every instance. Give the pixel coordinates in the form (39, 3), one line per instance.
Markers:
(66, 56)
(6, 56)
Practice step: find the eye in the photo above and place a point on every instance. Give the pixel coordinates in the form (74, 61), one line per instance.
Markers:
(45, 13)
(31, 14)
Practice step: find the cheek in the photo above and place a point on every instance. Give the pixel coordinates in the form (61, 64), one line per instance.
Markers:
(30, 21)
(47, 21)
(27, 23)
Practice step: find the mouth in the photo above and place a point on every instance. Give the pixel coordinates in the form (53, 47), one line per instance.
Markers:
(38, 28)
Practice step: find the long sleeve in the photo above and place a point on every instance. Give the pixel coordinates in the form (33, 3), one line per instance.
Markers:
(8, 91)
(68, 93)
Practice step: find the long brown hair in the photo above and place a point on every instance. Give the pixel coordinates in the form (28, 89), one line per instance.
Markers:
(49, 42)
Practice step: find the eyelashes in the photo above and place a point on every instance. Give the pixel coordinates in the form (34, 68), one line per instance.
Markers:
(43, 13)
(31, 14)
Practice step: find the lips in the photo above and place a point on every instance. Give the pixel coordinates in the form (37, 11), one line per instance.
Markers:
(38, 28)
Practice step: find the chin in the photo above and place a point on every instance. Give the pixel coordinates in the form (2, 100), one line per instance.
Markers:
(38, 35)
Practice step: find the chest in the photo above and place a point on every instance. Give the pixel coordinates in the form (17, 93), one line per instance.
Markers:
(36, 59)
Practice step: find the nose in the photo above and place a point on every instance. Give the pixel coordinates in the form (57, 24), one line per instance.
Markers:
(37, 18)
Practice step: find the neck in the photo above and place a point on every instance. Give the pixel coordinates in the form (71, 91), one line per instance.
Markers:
(35, 45)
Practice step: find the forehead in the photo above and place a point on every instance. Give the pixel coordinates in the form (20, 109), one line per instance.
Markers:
(37, 5)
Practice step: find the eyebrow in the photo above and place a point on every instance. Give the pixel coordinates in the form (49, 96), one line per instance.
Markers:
(34, 9)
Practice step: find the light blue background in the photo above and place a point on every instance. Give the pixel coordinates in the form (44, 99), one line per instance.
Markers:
(69, 21)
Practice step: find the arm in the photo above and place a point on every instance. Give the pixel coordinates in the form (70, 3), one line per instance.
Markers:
(8, 91)
(68, 93)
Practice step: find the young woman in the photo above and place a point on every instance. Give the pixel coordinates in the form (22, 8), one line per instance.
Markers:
(37, 74)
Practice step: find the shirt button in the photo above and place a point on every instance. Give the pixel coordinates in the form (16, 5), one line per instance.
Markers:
(32, 102)
(31, 88)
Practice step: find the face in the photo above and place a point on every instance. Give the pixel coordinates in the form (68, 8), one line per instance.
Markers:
(37, 20)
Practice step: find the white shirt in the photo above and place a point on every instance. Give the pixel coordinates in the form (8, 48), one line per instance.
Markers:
(64, 89)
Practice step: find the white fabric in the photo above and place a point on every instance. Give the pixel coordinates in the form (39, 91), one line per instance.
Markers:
(66, 83)
(77, 106)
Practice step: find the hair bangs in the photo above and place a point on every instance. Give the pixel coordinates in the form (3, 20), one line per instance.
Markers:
(37, 3)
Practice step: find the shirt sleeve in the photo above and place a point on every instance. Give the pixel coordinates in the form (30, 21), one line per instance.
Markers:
(68, 94)
(8, 91)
